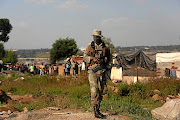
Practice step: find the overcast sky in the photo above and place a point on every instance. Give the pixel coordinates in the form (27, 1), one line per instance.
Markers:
(39, 23)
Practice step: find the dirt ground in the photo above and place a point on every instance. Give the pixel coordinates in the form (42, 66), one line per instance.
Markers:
(46, 114)
(8, 112)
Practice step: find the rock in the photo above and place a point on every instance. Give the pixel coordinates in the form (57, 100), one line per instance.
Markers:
(105, 96)
(169, 111)
(6, 108)
(156, 91)
(26, 99)
(168, 99)
(113, 88)
(25, 109)
(27, 116)
(4, 112)
(17, 79)
(156, 97)
(9, 75)
(9, 112)
(9, 93)
(178, 96)
(172, 97)
(54, 108)
(4, 97)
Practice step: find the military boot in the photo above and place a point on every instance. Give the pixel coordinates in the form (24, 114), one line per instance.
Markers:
(97, 113)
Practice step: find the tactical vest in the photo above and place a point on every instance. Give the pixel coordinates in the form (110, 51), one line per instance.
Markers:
(101, 52)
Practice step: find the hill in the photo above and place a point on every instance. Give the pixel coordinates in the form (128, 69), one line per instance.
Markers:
(167, 48)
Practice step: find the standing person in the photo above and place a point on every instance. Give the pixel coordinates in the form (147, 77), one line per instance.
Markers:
(11, 67)
(23, 68)
(83, 67)
(55, 68)
(98, 57)
(41, 70)
(76, 68)
(50, 69)
(31, 69)
(35, 69)
(68, 67)
(28, 68)
(73, 66)
(8, 67)
(20, 67)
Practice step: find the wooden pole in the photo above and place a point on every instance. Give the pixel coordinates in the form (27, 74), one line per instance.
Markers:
(136, 68)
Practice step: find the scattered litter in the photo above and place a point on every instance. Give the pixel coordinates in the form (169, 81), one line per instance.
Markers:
(25, 109)
(61, 113)
(9, 112)
(54, 108)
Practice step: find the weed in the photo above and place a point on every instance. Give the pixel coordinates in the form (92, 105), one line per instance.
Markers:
(19, 106)
(133, 100)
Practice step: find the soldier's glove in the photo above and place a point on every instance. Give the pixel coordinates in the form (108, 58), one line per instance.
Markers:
(104, 70)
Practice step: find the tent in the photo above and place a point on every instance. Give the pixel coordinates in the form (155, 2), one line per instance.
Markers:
(144, 60)
(168, 57)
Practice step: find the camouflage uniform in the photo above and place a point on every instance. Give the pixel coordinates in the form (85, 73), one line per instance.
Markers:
(97, 78)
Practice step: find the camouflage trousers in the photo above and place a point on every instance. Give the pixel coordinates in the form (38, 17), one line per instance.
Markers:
(97, 83)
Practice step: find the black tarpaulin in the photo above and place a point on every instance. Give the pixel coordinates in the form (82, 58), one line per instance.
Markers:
(128, 61)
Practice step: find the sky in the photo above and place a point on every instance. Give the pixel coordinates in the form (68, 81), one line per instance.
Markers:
(39, 23)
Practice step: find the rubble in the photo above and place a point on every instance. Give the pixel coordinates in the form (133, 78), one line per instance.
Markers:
(4, 97)
(25, 109)
(156, 97)
(169, 111)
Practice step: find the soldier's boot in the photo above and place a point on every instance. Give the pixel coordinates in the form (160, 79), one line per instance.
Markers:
(97, 112)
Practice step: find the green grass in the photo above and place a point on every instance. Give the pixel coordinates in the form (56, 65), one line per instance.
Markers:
(132, 100)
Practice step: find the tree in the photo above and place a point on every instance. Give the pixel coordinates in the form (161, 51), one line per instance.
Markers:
(2, 51)
(5, 29)
(108, 43)
(10, 57)
(62, 49)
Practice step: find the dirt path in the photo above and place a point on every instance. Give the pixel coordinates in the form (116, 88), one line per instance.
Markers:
(60, 115)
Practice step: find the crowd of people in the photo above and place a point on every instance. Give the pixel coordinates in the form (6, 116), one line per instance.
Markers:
(33, 68)
(43, 69)
(76, 67)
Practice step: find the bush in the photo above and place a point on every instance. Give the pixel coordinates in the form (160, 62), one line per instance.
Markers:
(126, 106)
(123, 89)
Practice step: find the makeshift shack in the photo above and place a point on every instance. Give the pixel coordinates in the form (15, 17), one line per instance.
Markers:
(168, 64)
(61, 66)
(137, 66)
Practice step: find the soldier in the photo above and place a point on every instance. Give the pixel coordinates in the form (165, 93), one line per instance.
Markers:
(97, 56)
